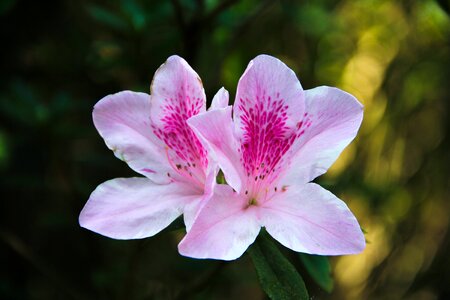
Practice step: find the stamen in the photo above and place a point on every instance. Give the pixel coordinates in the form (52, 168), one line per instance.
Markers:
(252, 201)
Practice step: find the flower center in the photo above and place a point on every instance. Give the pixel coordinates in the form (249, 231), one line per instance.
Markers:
(252, 201)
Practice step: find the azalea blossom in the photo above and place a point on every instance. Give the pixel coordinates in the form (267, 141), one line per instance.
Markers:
(278, 140)
(150, 133)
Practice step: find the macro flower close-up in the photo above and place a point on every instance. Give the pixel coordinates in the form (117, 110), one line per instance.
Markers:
(279, 139)
(225, 149)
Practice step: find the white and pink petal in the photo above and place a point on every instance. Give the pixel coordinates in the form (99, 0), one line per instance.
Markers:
(123, 120)
(192, 209)
(310, 219)
(134, 208)
(269, 104)
(331, 122)
(224, 228)
(220, 99)
(176, 87)
(176, 95)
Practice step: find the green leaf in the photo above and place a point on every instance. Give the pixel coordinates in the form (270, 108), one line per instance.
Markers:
(278, 277)
(319, 269)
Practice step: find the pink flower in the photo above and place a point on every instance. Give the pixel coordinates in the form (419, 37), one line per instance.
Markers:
(281, 138)
(149, 133)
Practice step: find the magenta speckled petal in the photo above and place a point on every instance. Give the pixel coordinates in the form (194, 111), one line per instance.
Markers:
(176, 95)
(269, 104)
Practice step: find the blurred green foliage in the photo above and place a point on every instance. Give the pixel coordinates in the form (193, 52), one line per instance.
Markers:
(60, 57)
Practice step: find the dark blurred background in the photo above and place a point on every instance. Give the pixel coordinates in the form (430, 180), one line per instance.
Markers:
(59, 57)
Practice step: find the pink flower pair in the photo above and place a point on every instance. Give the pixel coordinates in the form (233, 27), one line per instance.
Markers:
(270, 145)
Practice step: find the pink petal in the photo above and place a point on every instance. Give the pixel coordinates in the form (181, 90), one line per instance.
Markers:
(269, 104)
(133, 208)
(190, 212)
(215, 130)
(310, 219)
(220, 99)
(123, 120)
(192, 209)
(224, 228)
(177, 94)
(332, 120)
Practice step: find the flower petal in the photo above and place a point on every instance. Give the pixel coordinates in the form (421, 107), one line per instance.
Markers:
(269, 104)
(176, 95)
(220, 99)
(332, 120)
(215, 130)
(224, 228)
(133, 208)
(310, 219)
(192, 209)
(123, 120)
